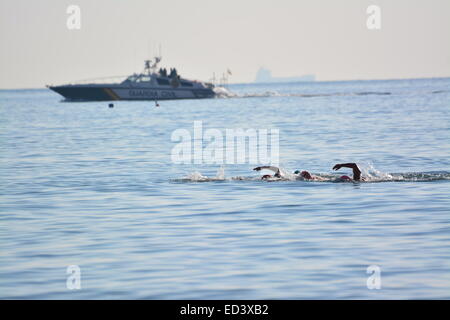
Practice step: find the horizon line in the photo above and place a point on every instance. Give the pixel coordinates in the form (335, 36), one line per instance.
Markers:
(279, 82)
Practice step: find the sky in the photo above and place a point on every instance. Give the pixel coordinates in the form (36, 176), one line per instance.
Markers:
(327, 38)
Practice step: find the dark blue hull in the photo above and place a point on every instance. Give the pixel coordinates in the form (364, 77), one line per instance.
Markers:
(82, 93)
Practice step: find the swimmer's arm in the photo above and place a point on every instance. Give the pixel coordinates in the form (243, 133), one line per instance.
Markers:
(353, 166)
(274, 169)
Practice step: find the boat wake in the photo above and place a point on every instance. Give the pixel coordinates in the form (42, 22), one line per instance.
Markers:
(225, 93)
(221, 92)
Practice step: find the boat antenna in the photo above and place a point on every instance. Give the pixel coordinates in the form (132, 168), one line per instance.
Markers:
(148, 66)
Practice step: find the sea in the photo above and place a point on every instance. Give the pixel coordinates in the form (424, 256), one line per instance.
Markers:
(94, 204)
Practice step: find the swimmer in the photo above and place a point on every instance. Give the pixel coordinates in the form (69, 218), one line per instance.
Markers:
(271, 168)
(354, 167)
(305, 175)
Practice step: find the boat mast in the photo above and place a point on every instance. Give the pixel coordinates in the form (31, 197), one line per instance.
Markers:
(150, 67)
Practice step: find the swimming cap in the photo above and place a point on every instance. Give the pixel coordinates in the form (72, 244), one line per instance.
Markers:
(296, 171)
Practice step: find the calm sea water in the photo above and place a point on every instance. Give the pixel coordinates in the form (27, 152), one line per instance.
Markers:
(82, 184)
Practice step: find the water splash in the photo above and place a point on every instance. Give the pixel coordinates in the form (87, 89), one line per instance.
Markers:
(220, 175)
(222, 92)
(198, 177)
(370, 173)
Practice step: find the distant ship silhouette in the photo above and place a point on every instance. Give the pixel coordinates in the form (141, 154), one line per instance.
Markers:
(265, 75)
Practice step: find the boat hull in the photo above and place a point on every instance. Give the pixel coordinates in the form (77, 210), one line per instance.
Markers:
(109, 93)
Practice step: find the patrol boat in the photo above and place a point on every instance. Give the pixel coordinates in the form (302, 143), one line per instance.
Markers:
(151, 84)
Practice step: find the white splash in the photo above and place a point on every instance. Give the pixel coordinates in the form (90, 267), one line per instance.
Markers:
(222, 92)
(220, 175)
(370, 173)
(198, 177)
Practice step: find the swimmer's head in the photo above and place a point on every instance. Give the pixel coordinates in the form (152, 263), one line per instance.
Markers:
(305, 175)
(346, 178)
(266, 176)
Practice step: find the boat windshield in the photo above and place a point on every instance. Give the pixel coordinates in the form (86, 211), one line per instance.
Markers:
(132, 78)
(143, 79)
(138, 78)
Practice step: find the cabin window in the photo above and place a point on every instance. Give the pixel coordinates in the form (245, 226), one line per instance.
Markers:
(186, 84)
(144, 79)
(162, 81)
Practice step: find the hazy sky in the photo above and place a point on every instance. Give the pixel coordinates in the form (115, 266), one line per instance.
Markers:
(328, 38)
